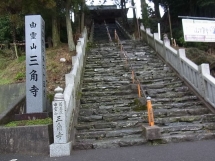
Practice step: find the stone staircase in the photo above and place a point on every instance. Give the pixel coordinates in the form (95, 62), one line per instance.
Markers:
(179, 113)
(110, 116)
(100, 34)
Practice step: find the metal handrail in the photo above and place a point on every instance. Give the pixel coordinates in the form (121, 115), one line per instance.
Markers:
(140, 88)
(131, 67)
(108, 31)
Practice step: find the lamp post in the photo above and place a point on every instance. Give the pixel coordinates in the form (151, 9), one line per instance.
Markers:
(138, 30)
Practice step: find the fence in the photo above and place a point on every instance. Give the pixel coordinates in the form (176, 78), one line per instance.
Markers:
(65, 104)
(197, 76)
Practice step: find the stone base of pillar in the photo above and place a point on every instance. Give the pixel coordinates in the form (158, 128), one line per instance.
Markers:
(61, 149)
(151, 132)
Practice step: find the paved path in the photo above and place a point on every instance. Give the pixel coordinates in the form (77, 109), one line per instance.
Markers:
(187, 151)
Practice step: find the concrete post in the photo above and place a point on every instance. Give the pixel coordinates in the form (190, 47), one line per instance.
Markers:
(61, 145)
(156, 37)
(204, 69)
(148, 30)
(181, 54)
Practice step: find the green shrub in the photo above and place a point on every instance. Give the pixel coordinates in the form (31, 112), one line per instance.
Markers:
(20, 76)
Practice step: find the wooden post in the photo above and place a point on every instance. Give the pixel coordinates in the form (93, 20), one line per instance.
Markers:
(139, 91)
(133, 76)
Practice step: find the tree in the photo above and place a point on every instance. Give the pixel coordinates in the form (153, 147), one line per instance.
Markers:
(4, 29)
(145, 14)
(71, 44)
(15, 10)
(56, 14)
(12, 9)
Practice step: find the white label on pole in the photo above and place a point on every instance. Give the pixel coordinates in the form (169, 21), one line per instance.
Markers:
(198, 30)
(35, 64)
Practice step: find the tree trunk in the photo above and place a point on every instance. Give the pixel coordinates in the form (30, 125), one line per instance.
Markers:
(71, 44)
(156, 7)
(55, 31)
(124, 16)
(82, 15)
(14, 40)
(134, 13)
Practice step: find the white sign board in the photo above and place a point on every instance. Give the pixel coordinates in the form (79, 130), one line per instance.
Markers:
(198, 30)
(35, 64)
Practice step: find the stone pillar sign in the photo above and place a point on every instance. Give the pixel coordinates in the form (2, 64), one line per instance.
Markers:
(35, 64)
(59, 121)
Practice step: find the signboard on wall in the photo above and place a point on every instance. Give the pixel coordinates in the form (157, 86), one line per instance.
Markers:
(198, 30)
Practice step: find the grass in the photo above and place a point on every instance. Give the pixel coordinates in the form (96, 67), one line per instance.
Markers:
(14, 70)
(46, 121)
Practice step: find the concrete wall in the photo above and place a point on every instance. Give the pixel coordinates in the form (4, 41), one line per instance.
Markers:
(14, 91)
(15, 104)
(26, 139)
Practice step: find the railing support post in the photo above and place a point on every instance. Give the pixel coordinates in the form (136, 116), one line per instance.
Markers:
(150, 112)
(203, 69)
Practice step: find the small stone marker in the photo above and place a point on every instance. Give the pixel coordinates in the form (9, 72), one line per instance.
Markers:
(35, 64)
(59, 117)
(62, 145)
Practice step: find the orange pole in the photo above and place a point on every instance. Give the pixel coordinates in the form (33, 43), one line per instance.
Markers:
(115, 34)
(132, 76)
(150, 112)
(118, 40)
(152, 117)
(139, 91)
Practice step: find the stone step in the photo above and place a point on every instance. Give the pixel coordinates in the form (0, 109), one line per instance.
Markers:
(116, 103)
(162, 113)
(108, 125)
(107, 133)
(107, 79)
(175, 100)
(158, 112)
(99, 88)
(106, 92)
(177, 128)
(205, 118)
(109, 143)
(160, 118)
(112, 98)
(201, 135)
(178, 105)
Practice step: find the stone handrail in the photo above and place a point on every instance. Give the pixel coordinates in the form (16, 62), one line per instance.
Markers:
(197, 76)
(65, 105)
